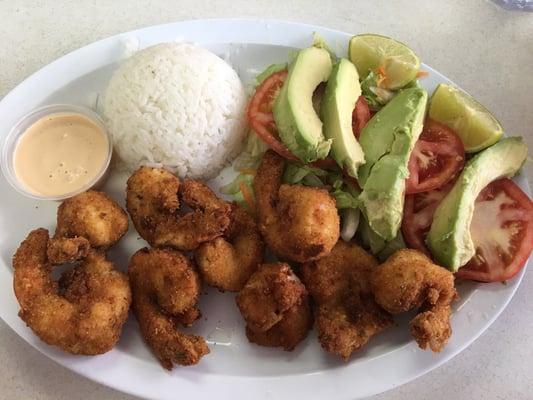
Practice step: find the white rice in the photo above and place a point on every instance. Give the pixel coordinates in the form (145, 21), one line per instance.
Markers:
(178, 105)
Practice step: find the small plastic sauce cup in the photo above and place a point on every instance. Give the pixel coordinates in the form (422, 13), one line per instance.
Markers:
(21, 127)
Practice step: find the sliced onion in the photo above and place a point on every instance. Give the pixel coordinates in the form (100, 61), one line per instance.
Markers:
(350, 221)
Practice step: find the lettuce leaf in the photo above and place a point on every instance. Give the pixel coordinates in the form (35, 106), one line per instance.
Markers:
(298, 173)
(375, 243)
(234, 188)
(254, 149)
(345, 195)
(391, 247)
(246, 164)
(375, 96)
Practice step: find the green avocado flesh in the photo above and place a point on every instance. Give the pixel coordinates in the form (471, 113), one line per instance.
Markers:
(449, 238)
(387, 141)
(377, 246)
(299, 126)
(342, 91)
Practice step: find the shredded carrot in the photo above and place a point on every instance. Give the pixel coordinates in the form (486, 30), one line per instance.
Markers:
(422, 74)
(247, 195)
(248, 171)
(382, 77)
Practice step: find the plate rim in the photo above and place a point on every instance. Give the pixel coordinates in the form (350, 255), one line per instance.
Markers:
(263, 386)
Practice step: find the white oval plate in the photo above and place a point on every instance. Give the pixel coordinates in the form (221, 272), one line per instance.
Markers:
(235, 369)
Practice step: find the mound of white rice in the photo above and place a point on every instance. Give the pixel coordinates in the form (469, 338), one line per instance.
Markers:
(179, 105)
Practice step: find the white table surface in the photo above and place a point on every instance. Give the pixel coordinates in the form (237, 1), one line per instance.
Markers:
(487, 50)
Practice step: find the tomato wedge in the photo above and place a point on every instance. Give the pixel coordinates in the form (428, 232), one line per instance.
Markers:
(260, 115)
(261, 119)
(502, 229)
(360, 116)
(438, 156)
(418, 215)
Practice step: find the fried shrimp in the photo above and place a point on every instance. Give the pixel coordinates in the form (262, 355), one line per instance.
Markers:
(208, 220)
(346, 314)
(408, 280)
(94, 216)
(275, 307)
(228, 262)
(298, 223)
(84, 312)
(64, 250)
(151, 196)
(153, 201)
(288, 332)
(165, 289)
(268, 294)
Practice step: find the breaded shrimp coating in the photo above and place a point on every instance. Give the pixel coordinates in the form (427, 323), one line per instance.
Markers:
(298, 223)
(209, 219)
(171, 276)
(94, 216)
(347, 326)
(188, 317)
(346, 314)
(269, 293)
(153, 201)
(287, 333)
(64, 250)
(165, 289)
(228, 261)
(84, 312)
(408, 280)
(275, 307)
(151, 196)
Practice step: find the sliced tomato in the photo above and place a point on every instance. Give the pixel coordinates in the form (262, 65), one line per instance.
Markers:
(260, 115)
(325, 163)
(502, 231)
(261, 118)
(418, 215)
(438, 156)
(360, 116)
(350, 180)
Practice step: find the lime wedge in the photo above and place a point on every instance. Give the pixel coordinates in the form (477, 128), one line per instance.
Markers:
(374, 53)
(474, 124)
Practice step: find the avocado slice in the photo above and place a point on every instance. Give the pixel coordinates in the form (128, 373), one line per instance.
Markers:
(299, 126)
(342, 91)
(449, 238)
(387, 141)
(271, 69)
